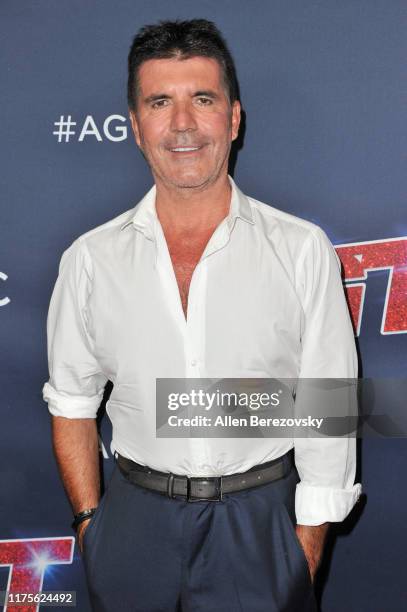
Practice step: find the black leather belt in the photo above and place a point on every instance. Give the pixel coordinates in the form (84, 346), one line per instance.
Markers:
(198, 488)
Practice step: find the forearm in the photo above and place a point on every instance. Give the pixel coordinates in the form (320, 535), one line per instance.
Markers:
(75, 443)
(312, 538)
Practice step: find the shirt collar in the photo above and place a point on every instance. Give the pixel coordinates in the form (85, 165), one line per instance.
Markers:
(239, 206)
(145, 215)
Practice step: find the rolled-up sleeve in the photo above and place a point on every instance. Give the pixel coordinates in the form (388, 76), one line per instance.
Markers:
(76, 382)
(326, 465)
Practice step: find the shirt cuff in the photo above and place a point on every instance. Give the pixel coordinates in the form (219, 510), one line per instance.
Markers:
(317, 505)
(71, 406)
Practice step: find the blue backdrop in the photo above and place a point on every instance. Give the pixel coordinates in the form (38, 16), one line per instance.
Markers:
(321, 87)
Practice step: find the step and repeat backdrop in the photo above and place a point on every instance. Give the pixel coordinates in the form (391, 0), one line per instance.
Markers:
(321, 86)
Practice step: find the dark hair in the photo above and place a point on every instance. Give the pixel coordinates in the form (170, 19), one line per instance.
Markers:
(183, 39)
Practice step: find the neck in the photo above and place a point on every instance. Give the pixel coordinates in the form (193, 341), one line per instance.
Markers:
(193, 210)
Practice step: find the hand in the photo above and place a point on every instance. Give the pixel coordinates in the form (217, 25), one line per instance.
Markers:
(81, 532)
(312, 539)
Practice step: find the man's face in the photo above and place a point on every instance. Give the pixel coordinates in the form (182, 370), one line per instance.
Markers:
(184, 122)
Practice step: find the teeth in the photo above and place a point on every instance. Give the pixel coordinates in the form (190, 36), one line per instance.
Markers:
(185, 149)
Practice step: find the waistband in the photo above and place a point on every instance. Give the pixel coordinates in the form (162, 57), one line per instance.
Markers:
(204, 488)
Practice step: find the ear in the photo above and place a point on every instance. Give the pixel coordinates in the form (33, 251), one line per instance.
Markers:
(236, 108)
(134, 126)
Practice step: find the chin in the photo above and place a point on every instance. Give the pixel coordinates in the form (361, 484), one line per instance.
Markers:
(191, 180)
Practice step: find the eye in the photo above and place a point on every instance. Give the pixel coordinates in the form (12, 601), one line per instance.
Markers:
(159, 103)
(204, 101)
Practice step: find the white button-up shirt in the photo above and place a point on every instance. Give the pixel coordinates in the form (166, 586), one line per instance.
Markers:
(266, 300)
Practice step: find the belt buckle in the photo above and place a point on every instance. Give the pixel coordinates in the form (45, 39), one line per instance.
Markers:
(218, 484)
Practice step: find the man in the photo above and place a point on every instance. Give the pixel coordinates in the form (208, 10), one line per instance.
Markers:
(197, 280)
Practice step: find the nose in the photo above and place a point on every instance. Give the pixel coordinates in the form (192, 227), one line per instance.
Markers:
(182, 118)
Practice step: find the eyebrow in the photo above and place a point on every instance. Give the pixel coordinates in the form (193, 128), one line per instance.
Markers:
(155, 97)
(209, 93)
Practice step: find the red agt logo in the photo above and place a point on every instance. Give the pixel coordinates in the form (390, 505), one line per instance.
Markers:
(360, 258)
(28, 560)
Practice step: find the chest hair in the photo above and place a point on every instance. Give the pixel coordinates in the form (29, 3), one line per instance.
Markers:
(185, 254)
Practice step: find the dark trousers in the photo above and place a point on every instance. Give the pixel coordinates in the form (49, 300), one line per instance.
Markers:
(144, 552)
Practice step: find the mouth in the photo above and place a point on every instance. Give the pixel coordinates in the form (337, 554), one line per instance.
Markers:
(185, 150)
